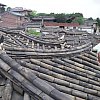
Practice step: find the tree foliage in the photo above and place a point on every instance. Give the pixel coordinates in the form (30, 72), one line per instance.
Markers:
(74, 17)
(2, 9)
(32, 14)
(41, 14)
(98, 22)
(60, 18)
(90, 18)
(8, 8)
(79, 20)
(33, 32)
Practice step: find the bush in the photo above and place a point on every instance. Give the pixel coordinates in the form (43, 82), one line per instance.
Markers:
(33, 32)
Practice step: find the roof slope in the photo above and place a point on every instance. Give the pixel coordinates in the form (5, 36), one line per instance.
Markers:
(77, 77)
(63, 78)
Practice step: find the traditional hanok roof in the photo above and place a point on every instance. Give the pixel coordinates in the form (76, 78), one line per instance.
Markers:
(75, 78)
(13, 13)
(56, 79)
(17, 14)
(2, 4)
(61, 24)
(45, 18)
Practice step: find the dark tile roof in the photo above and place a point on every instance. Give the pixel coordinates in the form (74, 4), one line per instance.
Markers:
(58, 78)
(2, 4)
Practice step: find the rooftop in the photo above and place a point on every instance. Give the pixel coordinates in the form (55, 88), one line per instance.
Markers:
(16, 14)
(20, 9)
(27, 76)
(2, 4)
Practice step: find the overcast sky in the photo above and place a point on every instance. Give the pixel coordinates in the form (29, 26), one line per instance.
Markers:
(89, 8)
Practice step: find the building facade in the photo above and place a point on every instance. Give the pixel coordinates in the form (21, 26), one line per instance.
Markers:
(12, 19)
(21, 10)
(66, 26)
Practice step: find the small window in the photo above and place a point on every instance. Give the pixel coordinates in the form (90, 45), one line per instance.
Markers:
(19, 18)
(0, 18)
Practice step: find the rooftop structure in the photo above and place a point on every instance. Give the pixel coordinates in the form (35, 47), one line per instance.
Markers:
(27, 75)
(2, 5)
(61, 25)
(2, 8)
(45, 18)
(21, 10)
(12, 19)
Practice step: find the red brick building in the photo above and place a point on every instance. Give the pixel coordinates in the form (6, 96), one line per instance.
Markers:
(61, 25)
(12, 19)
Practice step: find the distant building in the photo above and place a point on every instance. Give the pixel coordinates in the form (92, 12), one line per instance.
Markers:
(39, 19)
(89, 25)
(12, 19)
(61, 25)
(21, 10)
(88, 29)
(88, 22)
(2, 8)
(38, 22)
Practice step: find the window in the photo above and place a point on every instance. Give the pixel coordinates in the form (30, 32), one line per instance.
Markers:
(19, 18)
(0, 19)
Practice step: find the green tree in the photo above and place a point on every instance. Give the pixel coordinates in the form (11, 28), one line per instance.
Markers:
(79, 20)
(98, 22)
(32, 14)
(75, 17)
(60, 18)
(90, 18)
(51, 14)
(8, 8)
(42, 14)
(78, 15)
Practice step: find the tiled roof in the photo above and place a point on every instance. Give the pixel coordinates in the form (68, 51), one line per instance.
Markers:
(61, 24)
(17, 14)
(2, 4)
(14, 13)
(75, 78)
(44, 18)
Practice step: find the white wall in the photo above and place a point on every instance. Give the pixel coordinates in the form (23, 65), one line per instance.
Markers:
(88, 29)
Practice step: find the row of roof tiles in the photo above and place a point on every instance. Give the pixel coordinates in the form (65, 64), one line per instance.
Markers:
(77, 78)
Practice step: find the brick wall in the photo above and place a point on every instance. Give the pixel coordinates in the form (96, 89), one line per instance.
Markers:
(10, 20)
